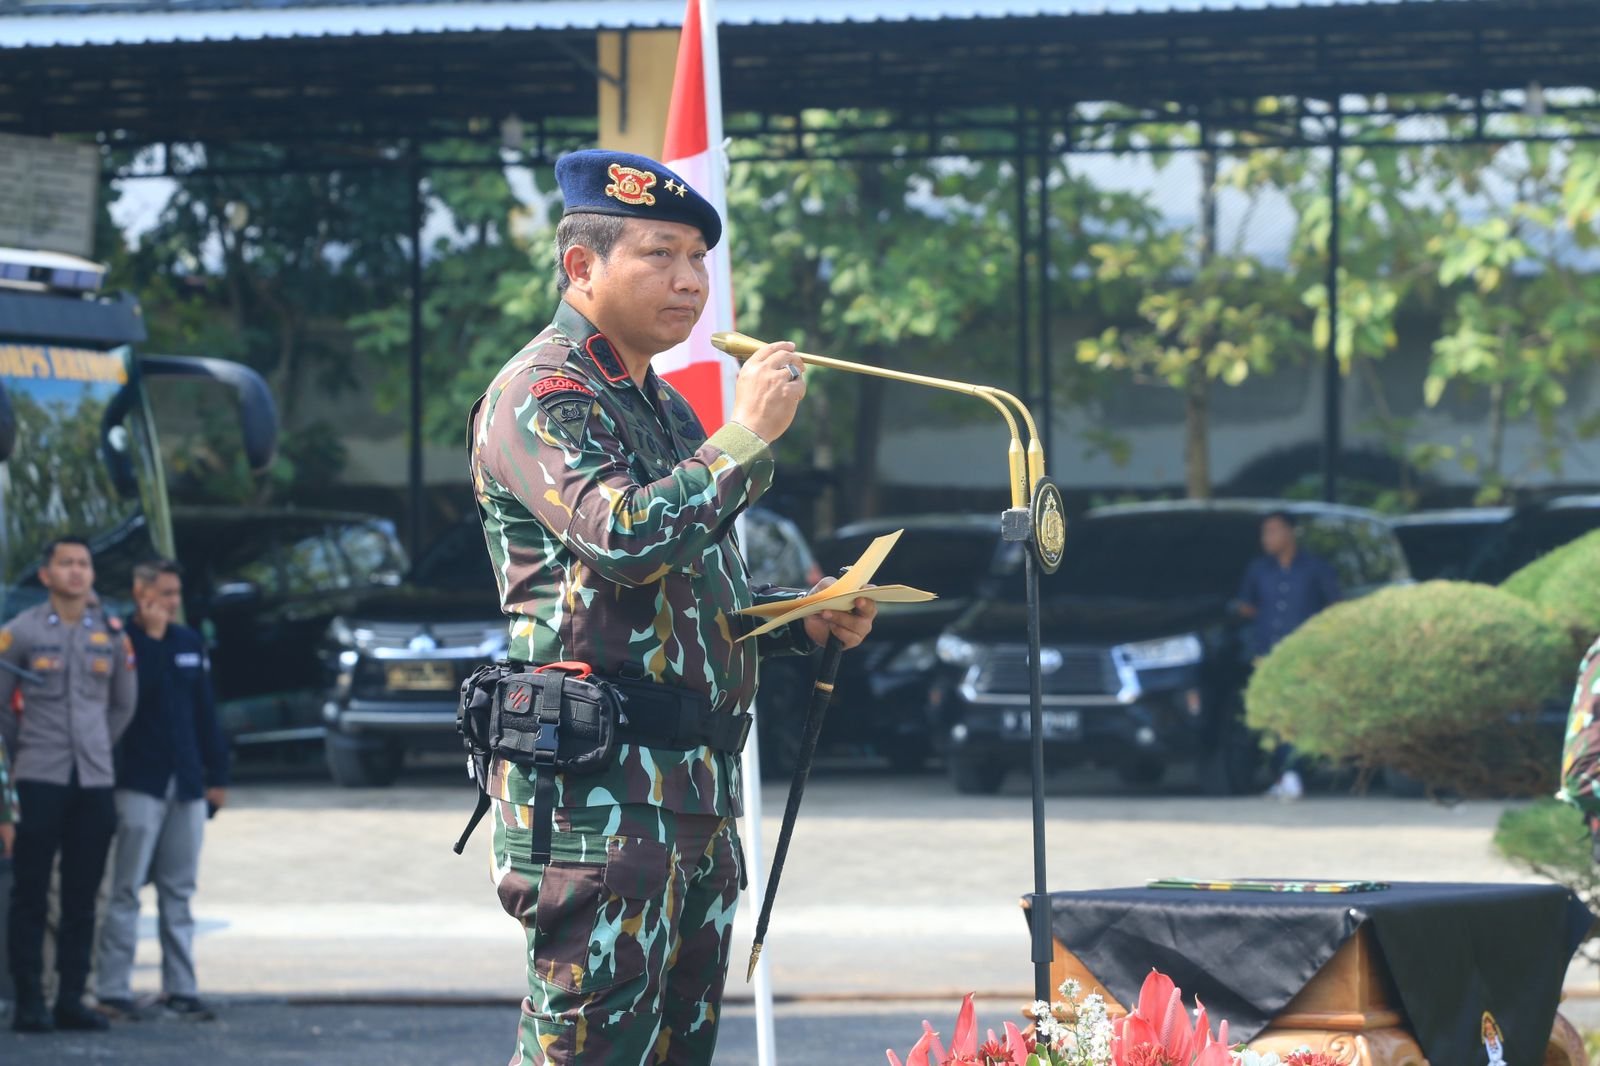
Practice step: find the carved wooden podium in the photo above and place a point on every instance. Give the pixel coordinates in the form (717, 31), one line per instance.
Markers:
(1348, 1010)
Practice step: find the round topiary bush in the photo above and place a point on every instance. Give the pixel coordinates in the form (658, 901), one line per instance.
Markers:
(1441, 681)
(1566, 582)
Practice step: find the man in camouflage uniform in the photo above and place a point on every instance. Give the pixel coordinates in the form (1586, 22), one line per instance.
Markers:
(8, 806)
(1580, 756)
(609, 518)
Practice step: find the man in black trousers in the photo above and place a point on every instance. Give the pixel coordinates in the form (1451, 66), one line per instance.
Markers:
(74, 666)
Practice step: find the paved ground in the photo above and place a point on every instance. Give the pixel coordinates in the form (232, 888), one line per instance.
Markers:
(895, 885)
(441, 1036)
(900, 896)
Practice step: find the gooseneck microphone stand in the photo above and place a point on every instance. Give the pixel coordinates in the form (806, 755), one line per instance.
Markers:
(1036, 518)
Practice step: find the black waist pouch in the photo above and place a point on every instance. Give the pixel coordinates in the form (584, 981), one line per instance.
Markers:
(555, 719)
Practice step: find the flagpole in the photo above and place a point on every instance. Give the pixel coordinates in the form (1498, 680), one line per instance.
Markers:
(711, 61)
(722, 310)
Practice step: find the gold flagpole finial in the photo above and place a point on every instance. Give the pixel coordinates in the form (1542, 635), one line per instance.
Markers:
(755, 956)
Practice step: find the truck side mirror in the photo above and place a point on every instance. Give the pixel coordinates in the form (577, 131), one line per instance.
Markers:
(258, 414)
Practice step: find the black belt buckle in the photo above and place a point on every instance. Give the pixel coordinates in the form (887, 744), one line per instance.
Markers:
(546, 742)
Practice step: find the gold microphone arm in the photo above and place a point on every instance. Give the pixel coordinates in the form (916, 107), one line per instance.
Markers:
(1026, 466)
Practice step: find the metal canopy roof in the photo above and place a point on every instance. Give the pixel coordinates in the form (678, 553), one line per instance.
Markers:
(219, 72)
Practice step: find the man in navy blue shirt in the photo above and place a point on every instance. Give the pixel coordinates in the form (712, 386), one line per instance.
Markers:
(171, 764)
(1281, 589)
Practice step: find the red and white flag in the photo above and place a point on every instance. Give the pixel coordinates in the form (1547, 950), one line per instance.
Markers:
(693, 148)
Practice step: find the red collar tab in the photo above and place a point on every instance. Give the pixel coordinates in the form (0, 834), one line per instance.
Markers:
(606, 359)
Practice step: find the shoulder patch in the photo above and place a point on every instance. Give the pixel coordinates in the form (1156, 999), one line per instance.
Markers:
(5, 640)
(565, 399)
(550, 386)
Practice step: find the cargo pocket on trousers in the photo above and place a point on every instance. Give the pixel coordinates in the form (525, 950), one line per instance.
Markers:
(597, 924)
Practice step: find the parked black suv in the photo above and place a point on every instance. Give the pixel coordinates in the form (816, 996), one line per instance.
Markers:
(1530, 532)
(262, 585)
(881, 694)
(398, 661)
(1439, 545)
(1143, 663)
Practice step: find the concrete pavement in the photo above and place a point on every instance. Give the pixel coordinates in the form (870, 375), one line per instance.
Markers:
(895, 885)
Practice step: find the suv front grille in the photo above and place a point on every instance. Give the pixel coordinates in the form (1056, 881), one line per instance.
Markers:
(1083, 672)
(444, 634)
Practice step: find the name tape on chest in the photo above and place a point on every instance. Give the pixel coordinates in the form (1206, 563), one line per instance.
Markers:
(188, 660)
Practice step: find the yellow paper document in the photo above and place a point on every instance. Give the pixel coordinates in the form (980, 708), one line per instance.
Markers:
(841, 595)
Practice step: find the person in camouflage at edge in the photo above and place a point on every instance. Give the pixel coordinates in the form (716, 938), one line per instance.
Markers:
(8, 806)
(1580, 755)
(609, 518)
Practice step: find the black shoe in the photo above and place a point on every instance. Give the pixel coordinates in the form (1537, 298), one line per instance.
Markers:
(190, 1008)
(75, 1016)
(33, 1018)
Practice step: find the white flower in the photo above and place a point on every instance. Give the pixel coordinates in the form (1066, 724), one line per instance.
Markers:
(1070, 989)
(1255, 1058)
(1040, 1011)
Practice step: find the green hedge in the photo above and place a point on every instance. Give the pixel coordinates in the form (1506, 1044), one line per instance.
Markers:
(1440, 681)
(1565, 582)
(1549, 838)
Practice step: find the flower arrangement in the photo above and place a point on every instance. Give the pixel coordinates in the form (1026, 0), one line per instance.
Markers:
(1077, 1031)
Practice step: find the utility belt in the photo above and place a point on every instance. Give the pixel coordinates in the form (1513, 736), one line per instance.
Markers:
(564, 718)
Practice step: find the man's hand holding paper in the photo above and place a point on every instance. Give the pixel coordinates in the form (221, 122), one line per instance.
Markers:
(841, 607)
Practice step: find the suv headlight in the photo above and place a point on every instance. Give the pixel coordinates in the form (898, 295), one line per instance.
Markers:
(1157, 654)
(955, 650)
(915, 658)
(340, 633)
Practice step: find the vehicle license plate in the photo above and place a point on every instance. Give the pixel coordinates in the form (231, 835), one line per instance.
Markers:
(420, 677)
(1058, 724)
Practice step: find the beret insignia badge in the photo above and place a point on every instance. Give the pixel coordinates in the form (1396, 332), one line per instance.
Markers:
(631, 186)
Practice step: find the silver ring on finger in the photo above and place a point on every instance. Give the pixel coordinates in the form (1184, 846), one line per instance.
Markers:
(794, 371)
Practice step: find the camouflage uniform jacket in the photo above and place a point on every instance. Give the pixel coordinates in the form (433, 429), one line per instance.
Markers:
(1580, 754)
(609, 519)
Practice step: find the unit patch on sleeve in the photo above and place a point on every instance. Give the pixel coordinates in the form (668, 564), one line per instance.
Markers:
(564, 398)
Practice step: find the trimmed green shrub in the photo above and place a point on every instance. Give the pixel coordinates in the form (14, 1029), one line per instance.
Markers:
(1565, 582)
(1550, 839)
(1441, 681)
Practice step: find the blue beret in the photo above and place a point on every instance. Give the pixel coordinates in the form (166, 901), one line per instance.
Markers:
(595, 181)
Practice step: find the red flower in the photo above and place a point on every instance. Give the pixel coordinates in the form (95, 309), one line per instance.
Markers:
(1158, 1032)
(1309, 1058)
(964, 1050)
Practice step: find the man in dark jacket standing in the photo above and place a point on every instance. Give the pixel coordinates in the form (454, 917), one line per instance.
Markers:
(172, 763)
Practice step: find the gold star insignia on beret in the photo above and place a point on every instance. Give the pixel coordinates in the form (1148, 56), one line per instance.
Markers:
(676, 186)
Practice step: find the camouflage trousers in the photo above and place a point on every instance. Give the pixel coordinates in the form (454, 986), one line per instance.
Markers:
(628, 930)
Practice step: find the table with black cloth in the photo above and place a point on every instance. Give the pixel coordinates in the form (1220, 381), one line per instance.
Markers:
(1446, 953)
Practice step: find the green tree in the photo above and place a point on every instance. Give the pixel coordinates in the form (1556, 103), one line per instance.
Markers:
(488, 288)
(1201, 313)
(263, 267)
